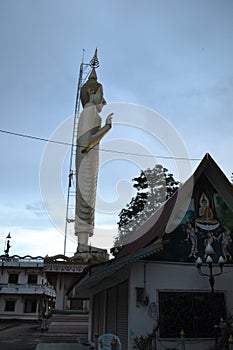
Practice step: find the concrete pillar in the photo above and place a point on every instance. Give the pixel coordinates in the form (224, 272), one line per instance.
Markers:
(60, 292)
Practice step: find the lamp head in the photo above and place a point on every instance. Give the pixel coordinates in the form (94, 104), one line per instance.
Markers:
(199, 262)
(209, 260)
(209, 249)
(221, 261)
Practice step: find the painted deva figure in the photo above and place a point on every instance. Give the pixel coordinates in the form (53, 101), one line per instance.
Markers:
(192, 236)
(89, 134)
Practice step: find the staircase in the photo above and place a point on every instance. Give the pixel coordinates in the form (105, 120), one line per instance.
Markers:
(68, 323)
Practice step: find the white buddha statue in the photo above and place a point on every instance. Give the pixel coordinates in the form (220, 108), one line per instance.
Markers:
(89, 134)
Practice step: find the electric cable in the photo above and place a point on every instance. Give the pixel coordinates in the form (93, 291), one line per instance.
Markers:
(101, 149)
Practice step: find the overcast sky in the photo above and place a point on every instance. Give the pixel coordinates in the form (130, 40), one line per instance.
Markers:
(173, 57)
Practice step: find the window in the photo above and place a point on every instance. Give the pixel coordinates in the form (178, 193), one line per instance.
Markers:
(10, 305)
(141, 298)
(30, 306)
(140, 295)
(195, 312)
(76, 304)
(13, 278)
(32, 278)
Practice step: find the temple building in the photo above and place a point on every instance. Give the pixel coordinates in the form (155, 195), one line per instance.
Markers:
(172, 283)
(24, 291)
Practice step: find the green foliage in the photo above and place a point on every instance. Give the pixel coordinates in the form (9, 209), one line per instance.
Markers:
(226, 329)
(146, 342)
(223, 212)
(143, 343)
(154, 187)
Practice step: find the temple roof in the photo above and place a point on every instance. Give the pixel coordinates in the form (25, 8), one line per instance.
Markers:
(171, 213)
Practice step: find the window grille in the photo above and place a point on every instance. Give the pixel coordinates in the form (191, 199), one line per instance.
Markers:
(195, 312)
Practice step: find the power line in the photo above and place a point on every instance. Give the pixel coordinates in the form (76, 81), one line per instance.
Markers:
(35, 137)
(101, 149)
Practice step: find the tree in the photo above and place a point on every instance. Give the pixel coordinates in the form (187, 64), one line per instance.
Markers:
(154, 187)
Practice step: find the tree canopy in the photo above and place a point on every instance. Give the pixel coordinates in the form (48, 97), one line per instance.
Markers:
(154, 187)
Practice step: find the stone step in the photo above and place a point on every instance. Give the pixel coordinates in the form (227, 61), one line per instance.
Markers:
(73, 324)
(71, 317)
(71, 328)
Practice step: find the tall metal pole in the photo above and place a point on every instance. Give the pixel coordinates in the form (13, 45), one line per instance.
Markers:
(71, 172)
(94, 63)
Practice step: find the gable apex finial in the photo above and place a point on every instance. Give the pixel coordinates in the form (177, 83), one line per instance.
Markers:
(94, 62)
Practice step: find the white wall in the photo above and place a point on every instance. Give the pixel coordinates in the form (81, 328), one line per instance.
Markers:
(20, 291)
(23, 274)
(162, 276)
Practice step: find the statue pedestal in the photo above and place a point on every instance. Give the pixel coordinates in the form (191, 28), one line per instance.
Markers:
(89, 253)
(62, 272)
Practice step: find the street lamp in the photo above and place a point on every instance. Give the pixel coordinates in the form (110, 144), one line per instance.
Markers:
(209, 251)
(7, 244)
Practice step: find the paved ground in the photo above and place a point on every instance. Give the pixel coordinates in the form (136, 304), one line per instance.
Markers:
(25, 336)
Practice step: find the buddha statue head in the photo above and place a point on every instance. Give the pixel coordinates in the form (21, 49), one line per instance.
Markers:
(92, 91)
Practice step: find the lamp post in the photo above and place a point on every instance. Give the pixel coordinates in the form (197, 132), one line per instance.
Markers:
(209, 251)
(7, 244)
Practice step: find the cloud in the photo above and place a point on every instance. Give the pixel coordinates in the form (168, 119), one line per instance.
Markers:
(36, 207)
(49, 241)
(170, 59)
(36, 242)
(103, 236)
